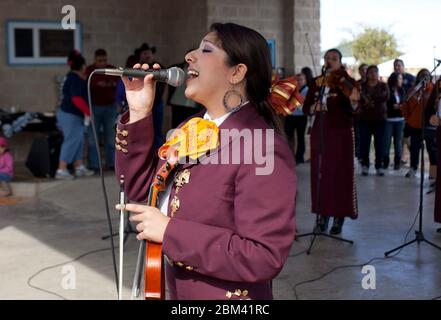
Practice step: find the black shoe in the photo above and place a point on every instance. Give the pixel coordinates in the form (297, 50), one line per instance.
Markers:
(335, 230)
(323, 224)
(438, 230)
(337, 226)
(397, 167)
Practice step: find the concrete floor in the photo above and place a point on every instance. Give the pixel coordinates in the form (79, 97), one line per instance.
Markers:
(68, 219)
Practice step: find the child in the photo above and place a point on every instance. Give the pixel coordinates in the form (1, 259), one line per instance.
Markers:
(6, 168)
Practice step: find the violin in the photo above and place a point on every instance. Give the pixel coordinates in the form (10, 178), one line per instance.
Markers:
(194, 139)
(411, 108)
(340, 79)
(150, 254)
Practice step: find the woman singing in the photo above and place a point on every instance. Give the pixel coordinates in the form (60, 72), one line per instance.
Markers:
(226, 230)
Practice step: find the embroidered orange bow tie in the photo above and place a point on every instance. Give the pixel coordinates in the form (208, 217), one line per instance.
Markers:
(285, 96)
(193, 139)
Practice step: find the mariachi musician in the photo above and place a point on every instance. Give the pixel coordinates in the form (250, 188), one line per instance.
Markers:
(226, 228)
(339, 102)
(417, 115)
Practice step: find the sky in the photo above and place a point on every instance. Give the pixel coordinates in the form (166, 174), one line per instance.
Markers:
(413, 22)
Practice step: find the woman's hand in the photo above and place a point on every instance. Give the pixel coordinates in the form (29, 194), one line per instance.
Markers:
(152, 222)
(140, 93)
(434, 120)
(355, 96)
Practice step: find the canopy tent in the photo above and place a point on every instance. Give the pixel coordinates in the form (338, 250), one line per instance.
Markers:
(414, 61)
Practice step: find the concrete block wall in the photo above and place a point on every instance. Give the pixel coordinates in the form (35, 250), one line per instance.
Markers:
(172, 26)
(306, 20)
(117, 26)
(285, 21)
(267, 17)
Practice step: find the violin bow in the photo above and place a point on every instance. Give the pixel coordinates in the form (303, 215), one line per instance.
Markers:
(310, 51)
(121, 236)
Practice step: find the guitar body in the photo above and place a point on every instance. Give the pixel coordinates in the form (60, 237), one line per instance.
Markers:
(154, 284)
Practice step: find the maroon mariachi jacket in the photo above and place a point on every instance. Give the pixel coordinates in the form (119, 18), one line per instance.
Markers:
(232, 230)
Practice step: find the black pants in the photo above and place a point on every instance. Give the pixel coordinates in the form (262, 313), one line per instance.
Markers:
(298, 124)
(415, 146)
(367, 130)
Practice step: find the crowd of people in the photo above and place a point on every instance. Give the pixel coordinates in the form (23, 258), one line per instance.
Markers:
(386, 113)
(351, 114)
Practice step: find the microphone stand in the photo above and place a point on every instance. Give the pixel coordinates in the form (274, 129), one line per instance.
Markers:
(316, 230)
(419, 235)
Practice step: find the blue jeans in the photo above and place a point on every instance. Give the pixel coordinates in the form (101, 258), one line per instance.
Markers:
(393, 129)
(73, 130)
(5, 177)
(104, 119)
(368, 129)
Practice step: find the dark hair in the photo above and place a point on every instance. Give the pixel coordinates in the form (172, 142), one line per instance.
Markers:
(340, 56)
(131, 61)
(399, 60)
(420, 74)
(100, 53)
(362, 65)
(393, 80)
(247, 46)
(75, 60)
(144, 47)
(307, 72)
(372, 66)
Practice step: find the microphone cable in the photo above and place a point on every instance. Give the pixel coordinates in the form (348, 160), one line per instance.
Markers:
(322, 276)
(106, 203)
(103, 184)
(59, 265)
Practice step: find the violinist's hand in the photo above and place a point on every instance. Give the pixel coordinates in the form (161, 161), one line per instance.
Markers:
(152, 222)
(140, 93)
(434, 120)
(355, 96)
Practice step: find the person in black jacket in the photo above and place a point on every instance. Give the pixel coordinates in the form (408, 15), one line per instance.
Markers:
(395, 120)
(372, 119)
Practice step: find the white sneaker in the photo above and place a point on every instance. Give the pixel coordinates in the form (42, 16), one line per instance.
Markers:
(410, 174)
(63, 175)
(365, 170)
(82, 171)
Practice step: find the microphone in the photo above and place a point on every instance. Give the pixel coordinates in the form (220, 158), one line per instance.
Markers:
(173, 76)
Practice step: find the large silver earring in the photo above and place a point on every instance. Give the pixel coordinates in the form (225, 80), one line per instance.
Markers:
(231, 95)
